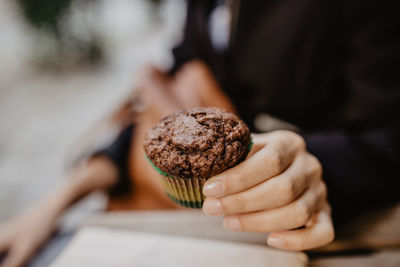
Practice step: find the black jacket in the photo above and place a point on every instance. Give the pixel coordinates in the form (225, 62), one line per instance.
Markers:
(330, 67)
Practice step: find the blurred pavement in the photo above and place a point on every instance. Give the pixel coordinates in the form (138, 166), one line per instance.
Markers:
(43, 113)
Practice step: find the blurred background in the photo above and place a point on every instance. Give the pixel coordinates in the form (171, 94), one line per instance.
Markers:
(63, 65)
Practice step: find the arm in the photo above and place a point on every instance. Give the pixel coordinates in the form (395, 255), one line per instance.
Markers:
(361, 161)
(21, 236)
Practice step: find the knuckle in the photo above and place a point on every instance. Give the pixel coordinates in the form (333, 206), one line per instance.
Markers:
(293, 137)
(301, 144)
(287, 191)
(303, 213)
(330, 235)
(328, 208)
(276, 161)
(282, 134)
(297, 140)
(324, 190)
(316, 166)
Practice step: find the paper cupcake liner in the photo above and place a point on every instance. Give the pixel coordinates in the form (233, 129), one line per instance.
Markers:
(187, 192)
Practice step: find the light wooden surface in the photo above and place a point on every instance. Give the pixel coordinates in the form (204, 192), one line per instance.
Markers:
(99, 246)
(188, 222)
(376, 230)
(194, 235)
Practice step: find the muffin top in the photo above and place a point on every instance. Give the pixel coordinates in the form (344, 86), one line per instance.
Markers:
(199, 142)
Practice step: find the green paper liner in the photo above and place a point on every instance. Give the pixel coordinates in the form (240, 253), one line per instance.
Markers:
(187, 192)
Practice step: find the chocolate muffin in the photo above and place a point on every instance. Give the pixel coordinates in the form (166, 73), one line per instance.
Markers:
(189, 146)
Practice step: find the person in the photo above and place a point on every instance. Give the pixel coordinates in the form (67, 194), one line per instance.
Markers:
(328, 67)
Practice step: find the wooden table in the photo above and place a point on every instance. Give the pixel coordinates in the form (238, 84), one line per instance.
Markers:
(183, 223)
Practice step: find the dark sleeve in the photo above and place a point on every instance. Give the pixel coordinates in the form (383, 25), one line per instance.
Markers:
(359, 170)
(360, 163)
(118, 152)
(195, 43)
(187, 49)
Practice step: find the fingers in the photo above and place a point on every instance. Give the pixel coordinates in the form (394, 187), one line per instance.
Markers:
(273, 193)
(319, 233)
(258, 144)
(273, 159)
(3, 245)
(18, 255)
(3, 251)
(4, 241)
(293, 215)
(278, 187)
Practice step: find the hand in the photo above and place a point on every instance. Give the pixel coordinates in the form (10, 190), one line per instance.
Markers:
(277, 189)
(23, 235)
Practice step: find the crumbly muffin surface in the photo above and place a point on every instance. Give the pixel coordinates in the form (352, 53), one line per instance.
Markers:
(200, 142)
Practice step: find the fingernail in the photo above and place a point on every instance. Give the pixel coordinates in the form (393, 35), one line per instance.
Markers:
(232, 223)
(214, 189)
(212, 207)
(276, 242)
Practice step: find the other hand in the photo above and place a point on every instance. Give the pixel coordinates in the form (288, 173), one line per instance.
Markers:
(21, 236)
